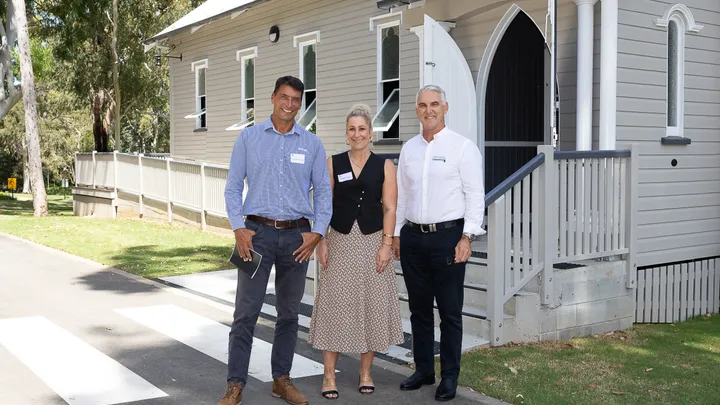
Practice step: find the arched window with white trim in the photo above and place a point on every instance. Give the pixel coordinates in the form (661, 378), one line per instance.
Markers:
(678, 20)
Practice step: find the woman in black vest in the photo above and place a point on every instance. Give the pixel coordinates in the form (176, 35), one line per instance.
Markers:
(356, 306)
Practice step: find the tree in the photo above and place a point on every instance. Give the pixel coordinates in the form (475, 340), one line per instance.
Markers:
(17, 9)
(10, 94)
(116, 80)
(64, 124)
(84, 33)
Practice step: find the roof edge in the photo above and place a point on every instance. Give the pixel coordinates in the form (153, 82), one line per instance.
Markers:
(222, 15)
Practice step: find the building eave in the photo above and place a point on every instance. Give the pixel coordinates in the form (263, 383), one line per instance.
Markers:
(195, 24)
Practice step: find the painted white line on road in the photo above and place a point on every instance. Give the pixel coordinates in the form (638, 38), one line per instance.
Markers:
(211, 338)
(76, 371)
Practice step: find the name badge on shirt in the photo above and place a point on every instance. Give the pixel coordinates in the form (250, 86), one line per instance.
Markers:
(345, 177)
(298, 158)
(439, 158)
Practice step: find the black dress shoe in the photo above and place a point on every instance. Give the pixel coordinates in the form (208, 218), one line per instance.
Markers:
(416, 381)
(446, 389)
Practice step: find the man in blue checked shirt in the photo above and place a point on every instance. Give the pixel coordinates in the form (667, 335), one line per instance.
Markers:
(281, 162)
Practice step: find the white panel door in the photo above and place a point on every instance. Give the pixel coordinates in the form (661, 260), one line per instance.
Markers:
(445, 66)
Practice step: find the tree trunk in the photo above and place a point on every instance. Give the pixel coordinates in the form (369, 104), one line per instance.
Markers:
(26, 176)
(9, 94)
(116, 79)
(31, 125)
(156, 132)
(99, 130)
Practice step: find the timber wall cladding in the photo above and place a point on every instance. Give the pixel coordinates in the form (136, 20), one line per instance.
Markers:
(676, 292)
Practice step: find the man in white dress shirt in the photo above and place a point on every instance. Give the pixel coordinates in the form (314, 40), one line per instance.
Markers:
(440, 208)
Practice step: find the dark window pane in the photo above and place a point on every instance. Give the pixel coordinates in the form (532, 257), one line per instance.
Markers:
(309, 67)
(201, 82)
(250, 109)
(672, 72)
(250, 78)
(390, 53)
(387, 116)
(203, 117)
(309, 114)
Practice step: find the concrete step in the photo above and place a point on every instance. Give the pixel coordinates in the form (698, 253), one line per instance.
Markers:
(474, 315)
(475, 321)
(474, 295)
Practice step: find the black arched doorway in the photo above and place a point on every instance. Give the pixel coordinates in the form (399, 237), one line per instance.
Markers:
(515, 107)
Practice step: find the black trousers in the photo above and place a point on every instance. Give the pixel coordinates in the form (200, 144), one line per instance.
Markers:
(429, 270)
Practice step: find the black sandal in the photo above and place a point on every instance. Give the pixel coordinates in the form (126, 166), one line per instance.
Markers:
(326, 393)
(366, 389)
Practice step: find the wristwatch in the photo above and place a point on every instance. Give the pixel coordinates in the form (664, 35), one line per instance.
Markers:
(469, 236)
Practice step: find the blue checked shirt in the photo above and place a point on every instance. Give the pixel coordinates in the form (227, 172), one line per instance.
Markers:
(280, 169)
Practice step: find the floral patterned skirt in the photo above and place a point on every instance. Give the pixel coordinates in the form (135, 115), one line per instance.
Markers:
(356, 308)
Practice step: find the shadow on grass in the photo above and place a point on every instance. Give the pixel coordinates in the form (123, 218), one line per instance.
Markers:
(24, 208)
(151, 261)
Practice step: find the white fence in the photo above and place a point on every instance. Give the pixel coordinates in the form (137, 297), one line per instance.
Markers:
(676, 292)
(196, 187)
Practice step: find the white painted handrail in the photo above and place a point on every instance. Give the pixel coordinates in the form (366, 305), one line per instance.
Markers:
(559, 207)
(197, 187)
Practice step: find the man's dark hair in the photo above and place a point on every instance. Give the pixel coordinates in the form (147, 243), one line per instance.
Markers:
(291, 81)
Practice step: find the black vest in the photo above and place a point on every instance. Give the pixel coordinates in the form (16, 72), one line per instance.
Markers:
(357, 198)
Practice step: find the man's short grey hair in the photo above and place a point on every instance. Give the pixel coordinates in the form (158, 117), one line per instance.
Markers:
(431, 87)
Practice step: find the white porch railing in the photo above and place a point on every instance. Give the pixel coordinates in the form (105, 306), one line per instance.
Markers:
(559, 207)
(196, 187)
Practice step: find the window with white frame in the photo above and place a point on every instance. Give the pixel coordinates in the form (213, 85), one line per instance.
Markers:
(200, 114)
(678, 20)
(386, 122)
(246, 57)
(307, 46)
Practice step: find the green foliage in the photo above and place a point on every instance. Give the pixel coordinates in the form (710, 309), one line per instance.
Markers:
(82, 33)
(42, 60)
(63, 129)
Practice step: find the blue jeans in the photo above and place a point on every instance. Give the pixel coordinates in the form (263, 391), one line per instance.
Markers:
(277, 247)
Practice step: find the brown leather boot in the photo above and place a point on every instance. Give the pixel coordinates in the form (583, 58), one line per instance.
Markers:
(233, 394)
(283, 387)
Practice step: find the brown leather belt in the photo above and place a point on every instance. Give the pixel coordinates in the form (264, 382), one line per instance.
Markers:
(280, 224)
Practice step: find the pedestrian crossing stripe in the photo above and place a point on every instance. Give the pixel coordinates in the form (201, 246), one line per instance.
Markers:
(76, 371)
(211, 338)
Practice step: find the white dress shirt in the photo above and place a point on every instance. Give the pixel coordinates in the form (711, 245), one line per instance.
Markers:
(441, 180)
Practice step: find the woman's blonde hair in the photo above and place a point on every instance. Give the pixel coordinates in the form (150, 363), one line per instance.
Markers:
(360, 110)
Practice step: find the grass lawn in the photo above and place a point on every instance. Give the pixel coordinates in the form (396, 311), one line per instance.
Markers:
(650, 364)
(140, 247)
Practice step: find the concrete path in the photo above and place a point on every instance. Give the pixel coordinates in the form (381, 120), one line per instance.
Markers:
(75, 332)
(220, 287)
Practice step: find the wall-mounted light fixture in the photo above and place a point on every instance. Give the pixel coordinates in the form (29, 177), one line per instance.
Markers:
(274, 34)
(389, 4)
(158, 57)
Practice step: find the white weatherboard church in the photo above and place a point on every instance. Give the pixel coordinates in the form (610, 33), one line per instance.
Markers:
(598, 122)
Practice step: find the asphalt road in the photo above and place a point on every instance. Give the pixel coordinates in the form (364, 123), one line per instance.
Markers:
(73, 331)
